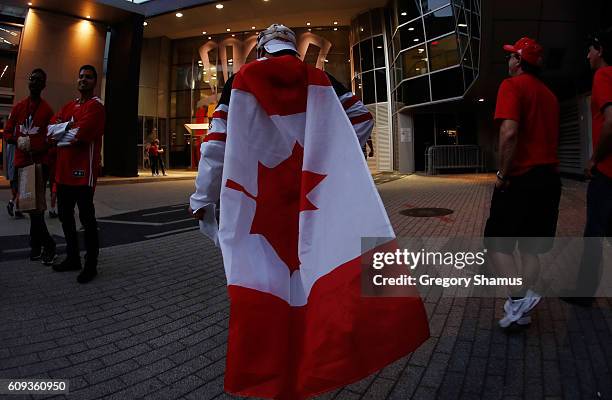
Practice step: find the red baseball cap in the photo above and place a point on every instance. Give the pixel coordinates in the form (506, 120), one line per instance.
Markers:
(528, 49)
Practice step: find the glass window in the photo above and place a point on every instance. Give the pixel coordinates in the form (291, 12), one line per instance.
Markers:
(447, 84)
(412, 34)
(377, 16)
(439, 22)
(407, 10)
(468, 76)
(367, 58)
(430, 5)
(475, 28)
(358, 87)
(9, 37)
(415, 91)
(465, 51)
(397, 68)
(396, 44)
(8, 65)
(357, 59)
(365, 30)
(369, 92)
(379, 52)
(475, 52)
(414, 62)
(381, 85)
(443, 53)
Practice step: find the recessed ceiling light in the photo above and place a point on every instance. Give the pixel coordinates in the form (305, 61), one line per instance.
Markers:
(252, 27)
(309, 30)
(228, 29)
(335, 29)
(411, 29)
(418, 69)
(179, 14)
(421, 50)
(233, 35)
(307, 23)
(361, 29)
(481, 100)
(462, 25)
(204, 33)
(415, 40)
(210, 37)
(30, 3)
(230, 60)
(335, 22)
(145, 23)
(219, 6)
(326, 60)
(404, 14)
(379, 47)
(89, 16)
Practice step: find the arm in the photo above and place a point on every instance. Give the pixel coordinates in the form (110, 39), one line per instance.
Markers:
(91, 125)
(508, 137)
(38, 142)
(355, 110)
(9, 128)
(212, 154)
(604, 147)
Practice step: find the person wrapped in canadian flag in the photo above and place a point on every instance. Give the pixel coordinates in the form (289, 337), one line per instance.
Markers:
(296, 199)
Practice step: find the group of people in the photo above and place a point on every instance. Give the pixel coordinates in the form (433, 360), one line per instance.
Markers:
(156, 158)
(525, 203)
(68, 147)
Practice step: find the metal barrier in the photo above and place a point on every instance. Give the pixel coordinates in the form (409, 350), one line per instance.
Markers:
(453, 156)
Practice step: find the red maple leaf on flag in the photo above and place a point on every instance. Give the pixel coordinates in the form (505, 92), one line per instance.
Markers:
(281, 196)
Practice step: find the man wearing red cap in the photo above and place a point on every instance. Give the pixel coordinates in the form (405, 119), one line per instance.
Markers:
(525, 203)
(599, 170)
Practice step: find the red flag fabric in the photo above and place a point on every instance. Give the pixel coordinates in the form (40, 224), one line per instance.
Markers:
(296, 201)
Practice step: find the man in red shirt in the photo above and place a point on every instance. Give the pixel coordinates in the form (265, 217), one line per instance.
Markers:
(78, 131)
(598, 169)
(27, 128)
(525, 203)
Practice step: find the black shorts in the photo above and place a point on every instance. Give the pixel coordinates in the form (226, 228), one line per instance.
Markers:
(526, 213)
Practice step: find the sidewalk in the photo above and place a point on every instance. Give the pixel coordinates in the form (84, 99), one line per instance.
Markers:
(154, 323)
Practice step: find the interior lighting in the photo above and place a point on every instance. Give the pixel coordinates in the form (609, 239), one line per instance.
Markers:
(404, 14)
(309, 30)
(204, 33)
(379, 47)
(210, 37)
(252, 27)
(307, 23)
(88, 17)
(145, 23)
(335, 29)
(228, 29)
(481, 100)
(462, 25)
(335, 22)
(421, 50)
(179, 15)
(30, 3)
(233, 35)
(219, 6)
(415, 40)
(411, 28)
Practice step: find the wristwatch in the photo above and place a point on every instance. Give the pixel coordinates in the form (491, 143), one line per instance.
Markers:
(500, 176)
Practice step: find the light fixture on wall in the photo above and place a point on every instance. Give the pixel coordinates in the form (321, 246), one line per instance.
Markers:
(179, 15)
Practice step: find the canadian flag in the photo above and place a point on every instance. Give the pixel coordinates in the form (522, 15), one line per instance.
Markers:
(296, 200)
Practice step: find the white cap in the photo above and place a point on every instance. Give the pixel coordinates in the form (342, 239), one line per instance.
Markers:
(277, 38)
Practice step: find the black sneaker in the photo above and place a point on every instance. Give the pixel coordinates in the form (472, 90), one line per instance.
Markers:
(87, 274)
(48, 256)
(10, 207)
(35, 254)
(69, 264)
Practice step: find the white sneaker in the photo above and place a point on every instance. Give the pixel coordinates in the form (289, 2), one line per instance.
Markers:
(515, 310)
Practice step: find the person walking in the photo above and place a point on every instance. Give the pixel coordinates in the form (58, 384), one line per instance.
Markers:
(79, 126)
(525, 203)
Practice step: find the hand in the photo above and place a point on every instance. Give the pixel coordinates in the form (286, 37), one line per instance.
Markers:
(588, 170)
(199, 214)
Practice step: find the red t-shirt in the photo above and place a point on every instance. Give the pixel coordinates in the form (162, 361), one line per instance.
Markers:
(19, 124)
(600, 99)
(154, 150)
(526, 100)
(79, 163)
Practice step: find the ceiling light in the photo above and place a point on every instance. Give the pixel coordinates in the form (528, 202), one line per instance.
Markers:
(204, 33)
(411, 29)
(309, 30)
(421, 50)
(415, 40)
(462, 25)
(361, 29)
(30, 3)
(89, 16)
(418, 69)
(179, 15)
(219, 6)
(145, 23)
(209, 38)
(230, 60)
(404, 14)
(335, 22)
(233, 35)
(481, 100)
(379, 47)
(252, 27)
(228, 29)
(307, 23)
(326, 60)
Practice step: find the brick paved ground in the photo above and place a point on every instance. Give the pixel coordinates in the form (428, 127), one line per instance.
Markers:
(155, 321)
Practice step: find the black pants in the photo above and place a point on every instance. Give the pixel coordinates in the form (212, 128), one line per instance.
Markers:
(67, 198)
(39, 234)
(154, 166)
(160, 163)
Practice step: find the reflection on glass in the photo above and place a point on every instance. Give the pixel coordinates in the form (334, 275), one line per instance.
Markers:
(447, 84)
(411, 34)
(381, 85)
(407, 10)
(443, 53)
(367, 57)
(439, 23)
(414, 62)
(415, 91)
(379, 52)
(430, 5)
